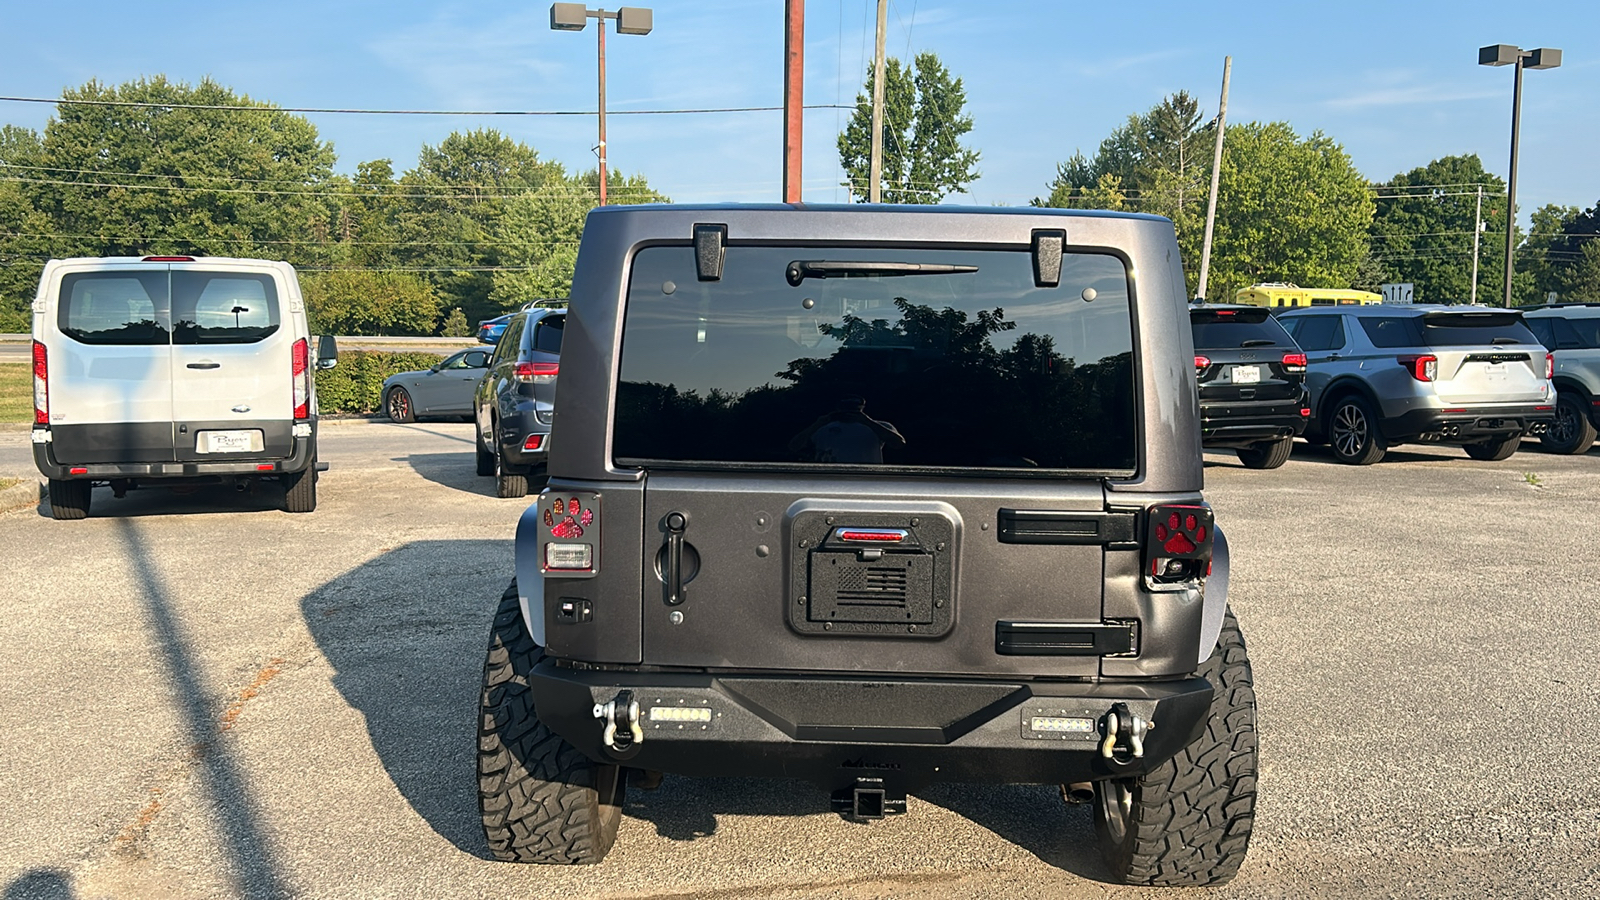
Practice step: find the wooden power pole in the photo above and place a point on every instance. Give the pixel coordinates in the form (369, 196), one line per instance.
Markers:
(875, 186)
(794, 51)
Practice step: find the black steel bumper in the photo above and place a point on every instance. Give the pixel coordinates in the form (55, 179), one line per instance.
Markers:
(834, 731)
(1466, 425)
(301, 459)
(1242, 422)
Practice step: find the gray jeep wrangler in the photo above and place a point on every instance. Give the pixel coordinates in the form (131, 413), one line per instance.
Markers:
(876, 497)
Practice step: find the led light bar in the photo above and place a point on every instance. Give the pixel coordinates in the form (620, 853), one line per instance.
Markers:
(1061, 725)
(686, 715)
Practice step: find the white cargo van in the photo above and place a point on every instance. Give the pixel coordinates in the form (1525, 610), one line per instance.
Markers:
(173, 370)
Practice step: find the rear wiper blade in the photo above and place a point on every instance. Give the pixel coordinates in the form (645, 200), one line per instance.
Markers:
(1505, 340)
(1258, 342)
(801, 269)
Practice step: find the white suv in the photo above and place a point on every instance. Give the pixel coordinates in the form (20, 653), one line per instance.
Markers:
(173, 369)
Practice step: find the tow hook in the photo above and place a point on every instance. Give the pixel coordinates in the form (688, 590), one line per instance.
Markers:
(1125, 732)
(620, 713)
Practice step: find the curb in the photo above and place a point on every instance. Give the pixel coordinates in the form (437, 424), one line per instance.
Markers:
(29, 493)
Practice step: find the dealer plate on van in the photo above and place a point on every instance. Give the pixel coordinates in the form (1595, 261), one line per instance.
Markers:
(241, 441)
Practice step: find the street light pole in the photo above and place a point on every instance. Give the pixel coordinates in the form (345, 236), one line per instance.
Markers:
(630, 20)
(1508, 55)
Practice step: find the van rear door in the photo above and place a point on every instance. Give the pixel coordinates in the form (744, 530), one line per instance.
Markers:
(232, 362)
(108, 339)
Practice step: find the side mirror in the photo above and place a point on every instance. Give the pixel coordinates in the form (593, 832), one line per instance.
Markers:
(327, 352)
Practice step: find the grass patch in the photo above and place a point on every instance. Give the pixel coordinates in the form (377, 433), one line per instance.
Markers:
(9, 482)
(16, 392)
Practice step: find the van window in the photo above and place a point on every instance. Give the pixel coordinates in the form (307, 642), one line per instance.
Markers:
(114, 307)
(223, 307)
(964, 364)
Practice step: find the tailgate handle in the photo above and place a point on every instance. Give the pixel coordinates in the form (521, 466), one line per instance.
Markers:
(677, 524)
(205, 365)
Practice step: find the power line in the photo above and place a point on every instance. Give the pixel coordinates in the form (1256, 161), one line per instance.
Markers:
(139, 104)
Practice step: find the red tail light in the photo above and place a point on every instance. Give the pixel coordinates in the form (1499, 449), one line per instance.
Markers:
(1549, 365)
(169, 259)
(537, 373)
(1294, 362)
(1422, 368)
(534, 442)
(1177, 545)
(300, 372)
(1201, 362)
(41, 385)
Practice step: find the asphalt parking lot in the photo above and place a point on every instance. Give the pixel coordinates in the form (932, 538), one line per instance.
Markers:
(203, 696)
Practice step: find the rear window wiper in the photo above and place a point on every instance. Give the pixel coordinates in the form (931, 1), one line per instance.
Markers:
(801, 269)
(1505, 340)
(1258, 342)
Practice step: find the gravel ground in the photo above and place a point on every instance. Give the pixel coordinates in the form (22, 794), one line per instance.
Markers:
(202, 696)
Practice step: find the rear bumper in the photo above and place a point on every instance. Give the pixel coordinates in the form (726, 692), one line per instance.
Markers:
(1465, 425)
(302, 457)
(1242, 422)
(833, 731)
(514, 433)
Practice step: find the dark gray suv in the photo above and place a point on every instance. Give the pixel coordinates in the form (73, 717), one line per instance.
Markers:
(876, 497)
(514, 405)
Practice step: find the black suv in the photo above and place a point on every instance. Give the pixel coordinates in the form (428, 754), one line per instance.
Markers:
(876, 497)
(1252, 379)
(514, 404)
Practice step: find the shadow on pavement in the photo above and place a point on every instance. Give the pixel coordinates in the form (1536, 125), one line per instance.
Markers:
(39, 884)
(252, 865)
(453, 470)
(1034, 817)
(154, 500)
(686, 809)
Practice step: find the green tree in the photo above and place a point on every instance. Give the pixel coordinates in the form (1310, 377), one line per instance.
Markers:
(1422, 230)
(1158, 159)
(1288, 209)
(362, 302)
(1582, 280)
(923, 123)
(25, 231)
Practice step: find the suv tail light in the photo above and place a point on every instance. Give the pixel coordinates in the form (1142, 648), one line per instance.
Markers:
(1201, 362)
(1549, 365)
(537, 373)
(1177, 546)
(300, 373)
(41, 385)
(1422, 368)
(1294, 362)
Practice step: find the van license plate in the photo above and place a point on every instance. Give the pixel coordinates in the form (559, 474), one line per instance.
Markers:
(1246, 374)
(244, 441)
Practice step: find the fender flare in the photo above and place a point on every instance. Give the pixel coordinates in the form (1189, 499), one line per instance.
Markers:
(530, 581)
(1215, 594)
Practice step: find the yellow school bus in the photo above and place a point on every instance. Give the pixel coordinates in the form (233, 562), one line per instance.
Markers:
(1280, 294)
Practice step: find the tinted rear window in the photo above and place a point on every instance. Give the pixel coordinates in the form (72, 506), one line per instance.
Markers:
(223, 307)
(1469, 329)
(547, 334)
(1393, 331)
(1213, 331)
(114, 307)
(157, 306)
(975, 369)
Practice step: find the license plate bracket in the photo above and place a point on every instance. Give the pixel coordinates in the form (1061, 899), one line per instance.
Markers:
(243, 440)
(1245, 374)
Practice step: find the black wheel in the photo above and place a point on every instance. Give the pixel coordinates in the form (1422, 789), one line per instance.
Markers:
(1572, 432)
(485, 457)
(398, 405)
(1188, 823)
(1491, 451)
(542, 801)
(507, 485)
(1353, 432)
(69, 499)
(300, 489)
(1267, 454)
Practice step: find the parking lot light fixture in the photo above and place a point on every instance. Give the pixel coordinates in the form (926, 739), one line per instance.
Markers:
(630, 20)
(1509, 55)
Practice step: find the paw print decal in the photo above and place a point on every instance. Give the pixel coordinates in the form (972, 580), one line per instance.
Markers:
(1182, 532)
(567, 518)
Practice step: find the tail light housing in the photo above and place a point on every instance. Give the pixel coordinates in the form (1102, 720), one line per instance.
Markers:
(300, 374)
(1294, 362)
(1201, 362)
(536, 372)
(1549, 365)
(1422, 368)
(41, 385)
(1177, 546)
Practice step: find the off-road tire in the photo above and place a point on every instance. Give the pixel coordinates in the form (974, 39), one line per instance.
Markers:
(69, 499)
(542, 801)
(300, 489)
(507, 485)
(397, 403)
(1353, 433)
(1267, 454)
(1572, 432)
(1188, 823)
(485, 457)
(1493, 451)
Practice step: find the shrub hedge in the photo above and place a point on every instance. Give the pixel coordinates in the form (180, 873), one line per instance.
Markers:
(355, 385)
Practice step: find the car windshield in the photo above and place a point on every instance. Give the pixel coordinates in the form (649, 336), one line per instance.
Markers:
(1229, 329)
(843, 356)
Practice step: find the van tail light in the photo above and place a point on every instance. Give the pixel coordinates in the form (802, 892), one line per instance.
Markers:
(1422, 368)
(1294, 362)
(1549, 365)
(537, 373)
(1177, 546)
(41, 385)
(1201, 362)
(300, 372)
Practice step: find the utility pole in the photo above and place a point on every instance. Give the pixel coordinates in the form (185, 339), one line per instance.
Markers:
(1477, 229)
(602, 148)
(875, 186)
(794, 49)
(1216, 176)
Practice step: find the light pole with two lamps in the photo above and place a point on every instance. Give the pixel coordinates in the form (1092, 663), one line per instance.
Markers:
(1508, 55)
(630, 20)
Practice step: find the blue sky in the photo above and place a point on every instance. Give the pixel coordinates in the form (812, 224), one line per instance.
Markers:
(1396, 83)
